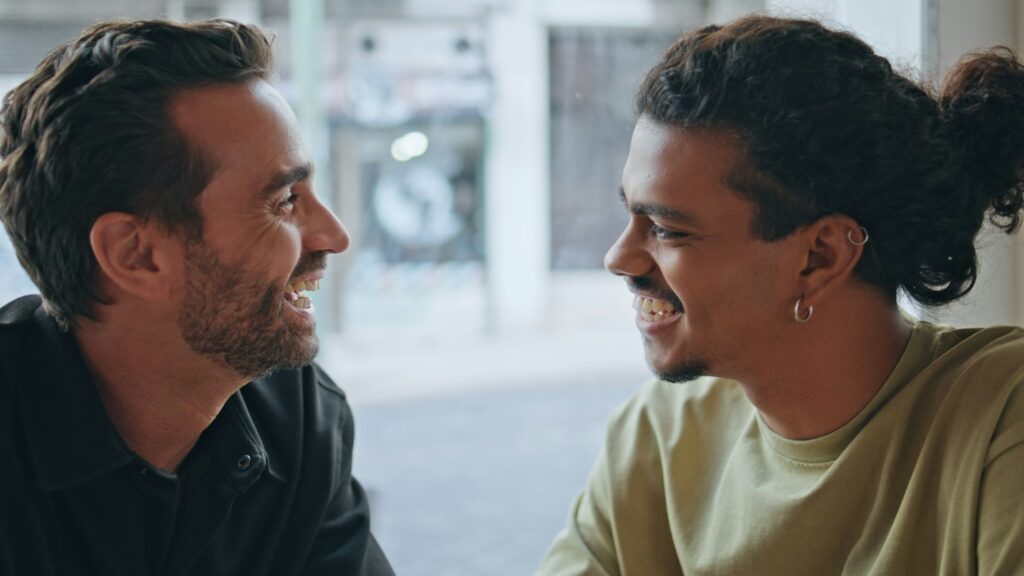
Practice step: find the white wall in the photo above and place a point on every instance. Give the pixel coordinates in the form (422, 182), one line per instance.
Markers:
(966, 25)
(596, 12)
(1020, 26)
(516, 183)
(824, 10)
(892, 27)
(998, 297)
(1019, 261)
(719, 11)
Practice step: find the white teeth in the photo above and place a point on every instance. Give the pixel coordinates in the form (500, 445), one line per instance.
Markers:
(651, 308)
(303, 302)
(302, 286)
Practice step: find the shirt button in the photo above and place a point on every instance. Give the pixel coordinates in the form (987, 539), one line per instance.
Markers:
(244, 462)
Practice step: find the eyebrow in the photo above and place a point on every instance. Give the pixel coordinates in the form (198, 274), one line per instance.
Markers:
(658, 210)
(288, 177)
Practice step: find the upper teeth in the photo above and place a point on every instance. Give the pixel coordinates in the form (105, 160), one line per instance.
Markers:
(304, 285)
(652, 307)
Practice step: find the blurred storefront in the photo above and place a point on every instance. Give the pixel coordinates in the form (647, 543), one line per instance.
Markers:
(472, 148)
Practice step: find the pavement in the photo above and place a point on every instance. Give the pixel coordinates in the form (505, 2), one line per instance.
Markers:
(473, 447)
(478, 483)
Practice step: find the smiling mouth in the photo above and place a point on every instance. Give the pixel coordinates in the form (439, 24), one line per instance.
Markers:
(652, 309)
(294, 293)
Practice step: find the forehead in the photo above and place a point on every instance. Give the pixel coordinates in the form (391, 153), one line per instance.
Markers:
(686, 169)
(244, 126)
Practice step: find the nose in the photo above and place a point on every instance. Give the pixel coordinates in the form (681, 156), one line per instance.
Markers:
(323, 231)
(627, 256)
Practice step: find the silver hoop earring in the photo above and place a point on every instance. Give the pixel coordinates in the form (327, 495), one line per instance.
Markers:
(796, 312)
(849, 236)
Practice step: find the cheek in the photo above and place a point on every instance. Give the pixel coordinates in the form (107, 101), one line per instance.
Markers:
(756, 288)
(693, 276)
(277, 247)
(288, 248)
(721, 287)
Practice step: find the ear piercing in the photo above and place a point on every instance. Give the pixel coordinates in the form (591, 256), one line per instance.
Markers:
(864, 231)
(801, 319)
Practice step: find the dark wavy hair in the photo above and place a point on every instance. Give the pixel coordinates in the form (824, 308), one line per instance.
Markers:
(829, 128)
(90, 132)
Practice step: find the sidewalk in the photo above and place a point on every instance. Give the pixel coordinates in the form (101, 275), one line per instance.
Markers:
(473, 448)
(478, 483)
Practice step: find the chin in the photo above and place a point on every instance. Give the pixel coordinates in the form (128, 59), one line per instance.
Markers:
(677, 371)
(687, 373)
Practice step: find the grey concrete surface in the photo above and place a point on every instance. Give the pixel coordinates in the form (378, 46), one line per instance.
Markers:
(478, 483)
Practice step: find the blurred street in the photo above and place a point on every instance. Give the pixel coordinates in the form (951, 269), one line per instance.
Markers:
(473, 450)
(478, 483)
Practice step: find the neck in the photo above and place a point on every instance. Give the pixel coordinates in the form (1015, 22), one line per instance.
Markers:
(159, 394)
(836, 363)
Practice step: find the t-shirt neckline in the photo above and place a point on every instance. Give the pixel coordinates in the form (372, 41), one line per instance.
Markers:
(916, 355)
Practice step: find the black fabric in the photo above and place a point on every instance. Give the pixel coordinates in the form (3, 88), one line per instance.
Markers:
(267, 489)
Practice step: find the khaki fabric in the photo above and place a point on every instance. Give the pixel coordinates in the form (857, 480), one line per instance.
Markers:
(927, 479)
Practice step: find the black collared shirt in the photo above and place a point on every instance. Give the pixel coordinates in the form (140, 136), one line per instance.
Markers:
(267, 489)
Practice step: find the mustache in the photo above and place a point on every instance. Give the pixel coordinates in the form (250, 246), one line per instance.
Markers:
(645, 284)
(311, 262)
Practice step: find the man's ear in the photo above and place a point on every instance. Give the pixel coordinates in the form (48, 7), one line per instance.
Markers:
(133, 254)
(834, 245)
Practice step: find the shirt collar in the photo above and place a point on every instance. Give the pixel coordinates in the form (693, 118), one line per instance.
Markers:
(232, 437)
(70, 435)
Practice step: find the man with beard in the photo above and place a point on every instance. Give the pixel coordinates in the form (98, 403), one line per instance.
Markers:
(159, 409)
(783, 184)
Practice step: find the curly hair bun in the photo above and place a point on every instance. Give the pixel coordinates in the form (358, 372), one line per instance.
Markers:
(982, 103)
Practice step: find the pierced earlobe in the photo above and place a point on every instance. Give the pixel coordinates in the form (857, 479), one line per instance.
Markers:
(802, 318)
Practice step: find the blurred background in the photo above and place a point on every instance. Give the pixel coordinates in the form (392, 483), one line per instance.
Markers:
(473, 149)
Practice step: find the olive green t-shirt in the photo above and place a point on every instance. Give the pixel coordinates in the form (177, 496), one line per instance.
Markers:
(927, 479)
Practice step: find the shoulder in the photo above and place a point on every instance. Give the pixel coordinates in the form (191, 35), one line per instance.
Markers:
(15, 319)
(19, 311)
(996, 372)
(980, 372)
(983, 363)
(998, 348)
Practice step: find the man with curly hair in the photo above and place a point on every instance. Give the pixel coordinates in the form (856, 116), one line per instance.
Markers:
(783, 184)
